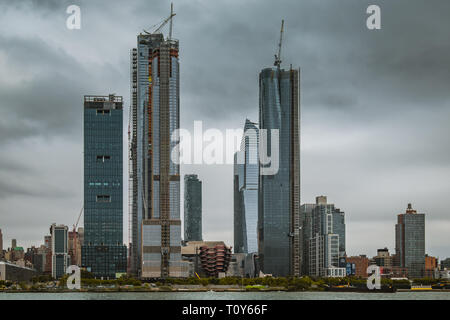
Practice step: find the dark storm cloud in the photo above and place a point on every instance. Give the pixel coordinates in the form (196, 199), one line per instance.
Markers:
(405, 63)
(49, 99)
(10, 189)
(39, 6)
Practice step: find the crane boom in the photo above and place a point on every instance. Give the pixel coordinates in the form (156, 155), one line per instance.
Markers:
(78, 220)
(278, 56)
(163, 23)
(74, 230)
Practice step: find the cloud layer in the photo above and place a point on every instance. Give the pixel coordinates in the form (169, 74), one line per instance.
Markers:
(375, 104)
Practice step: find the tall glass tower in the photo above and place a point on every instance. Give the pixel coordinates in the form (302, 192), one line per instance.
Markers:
(103, 252)
(246, 170)
(279, 194)
(192, 208)
(154, 169)
(410, 242)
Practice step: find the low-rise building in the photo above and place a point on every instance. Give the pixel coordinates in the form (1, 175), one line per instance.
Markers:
(431, 265)
(394, 272)
(244, 265)
(443, 274)
(383, 258)
(361, 264)
(15, 273)
(335, 272)
(445, 264)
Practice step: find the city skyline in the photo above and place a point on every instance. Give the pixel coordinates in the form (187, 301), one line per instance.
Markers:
(380, 216)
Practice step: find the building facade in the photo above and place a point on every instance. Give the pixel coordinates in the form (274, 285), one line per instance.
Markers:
(192, 208)
(246, 177)
(324, 237)
(306, 211)
(431, 266)
(1, 244)
(410, 242)
(361, 263)
(154, 169)
(445, 264)
(15, 273)
(76, 240)
(60, 252)
(383, 258)
(279, 192)
(103, 252)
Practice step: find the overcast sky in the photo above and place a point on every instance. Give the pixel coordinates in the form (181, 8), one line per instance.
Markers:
(375, 105)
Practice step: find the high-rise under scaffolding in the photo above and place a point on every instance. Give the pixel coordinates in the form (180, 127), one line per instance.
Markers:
(155, 248)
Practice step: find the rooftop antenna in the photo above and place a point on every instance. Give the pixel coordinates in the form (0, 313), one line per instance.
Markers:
(278, 56)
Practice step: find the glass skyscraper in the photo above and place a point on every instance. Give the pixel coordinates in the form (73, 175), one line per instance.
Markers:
(410, 242)
(192, 208)
(279, 194)
(154, 173)
(246, 171)
(103, 252)
(60, 256)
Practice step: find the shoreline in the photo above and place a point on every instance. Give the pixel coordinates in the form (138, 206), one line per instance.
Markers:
(204, 290)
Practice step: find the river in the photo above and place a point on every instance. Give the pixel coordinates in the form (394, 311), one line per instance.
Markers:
(225, 296)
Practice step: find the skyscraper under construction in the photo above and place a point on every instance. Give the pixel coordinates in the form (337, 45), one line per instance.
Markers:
(279, 193)
(155, 249)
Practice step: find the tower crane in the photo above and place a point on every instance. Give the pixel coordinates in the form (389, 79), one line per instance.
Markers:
(74, 230)
(278, 56)
(163, 23)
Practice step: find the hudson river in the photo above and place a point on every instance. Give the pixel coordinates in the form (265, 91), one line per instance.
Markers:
(225, 296)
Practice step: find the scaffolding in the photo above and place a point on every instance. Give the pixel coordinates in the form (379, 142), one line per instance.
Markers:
(132, 169)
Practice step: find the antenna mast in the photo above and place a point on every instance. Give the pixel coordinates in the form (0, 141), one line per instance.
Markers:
(171, 15)
(278, 56)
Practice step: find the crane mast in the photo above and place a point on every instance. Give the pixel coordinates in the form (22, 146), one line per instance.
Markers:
(278, 56)
(171, 20)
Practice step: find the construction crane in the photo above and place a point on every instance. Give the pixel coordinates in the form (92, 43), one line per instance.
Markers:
(278, 56)
(74, 231)
(163, 23)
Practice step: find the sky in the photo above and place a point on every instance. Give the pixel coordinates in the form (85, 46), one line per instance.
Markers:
(375, 104)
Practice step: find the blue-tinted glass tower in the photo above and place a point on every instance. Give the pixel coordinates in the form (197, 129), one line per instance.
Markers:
(103, 252)
(279, 194)
(246, 170)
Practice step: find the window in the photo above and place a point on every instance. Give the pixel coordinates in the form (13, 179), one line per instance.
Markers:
(102, 112)
(103, 198)
(102, 158)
